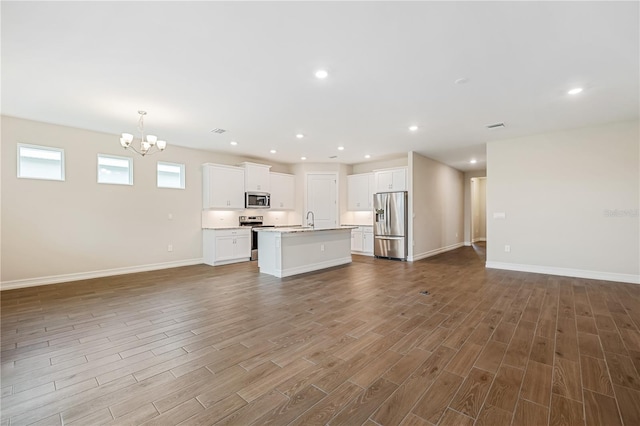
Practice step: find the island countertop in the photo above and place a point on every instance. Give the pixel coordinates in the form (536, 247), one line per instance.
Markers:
(294, 229)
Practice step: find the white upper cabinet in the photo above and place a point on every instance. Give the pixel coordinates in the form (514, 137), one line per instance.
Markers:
(282, 191)
(256, 177)
(222, 187)
(360, 188)
(391, 180)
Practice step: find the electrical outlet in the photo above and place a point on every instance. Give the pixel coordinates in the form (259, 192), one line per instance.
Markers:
(321, 247)
(170, 247)
(170, 216)
(507, 249)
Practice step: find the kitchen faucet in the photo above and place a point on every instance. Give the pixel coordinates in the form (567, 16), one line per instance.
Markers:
(313, 219)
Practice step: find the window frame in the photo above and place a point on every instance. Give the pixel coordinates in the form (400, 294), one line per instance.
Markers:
(182, 175)
(114, 157)
(44, 148)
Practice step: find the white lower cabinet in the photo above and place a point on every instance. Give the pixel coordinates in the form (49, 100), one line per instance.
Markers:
(222, 246)
(362, 240)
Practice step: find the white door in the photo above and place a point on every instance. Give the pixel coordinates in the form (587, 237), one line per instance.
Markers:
(322, 199)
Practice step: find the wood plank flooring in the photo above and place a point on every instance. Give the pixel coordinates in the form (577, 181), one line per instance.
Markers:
(351, 345)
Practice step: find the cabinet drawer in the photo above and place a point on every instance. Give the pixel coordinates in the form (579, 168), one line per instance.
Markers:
(232, 232)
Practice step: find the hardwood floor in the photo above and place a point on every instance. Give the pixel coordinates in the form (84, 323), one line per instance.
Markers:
(352, 345)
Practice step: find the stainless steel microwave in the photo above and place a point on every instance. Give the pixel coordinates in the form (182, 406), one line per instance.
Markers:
(257, 200)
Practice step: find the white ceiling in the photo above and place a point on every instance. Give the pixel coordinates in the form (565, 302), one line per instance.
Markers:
(249, 68)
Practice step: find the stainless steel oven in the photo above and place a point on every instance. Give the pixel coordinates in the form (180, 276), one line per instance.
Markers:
(253, 222)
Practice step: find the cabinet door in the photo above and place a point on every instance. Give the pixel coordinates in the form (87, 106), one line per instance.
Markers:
(359, 196)
(242, 247)
(391, 180)
(384, 181)
(225, 248)
(356, 240)
(371, 189)
(256, 178)
(367, 242)
(399, 179)
(223, 187)
(282, 191)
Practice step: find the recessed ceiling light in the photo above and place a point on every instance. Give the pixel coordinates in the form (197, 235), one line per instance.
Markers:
(273, 151)
(367, 156)
(413, 128)
(474, 161)
(575, 91)
(303, 158)
(321, 74)
(341, 148)
(299, 136)
(234, 143)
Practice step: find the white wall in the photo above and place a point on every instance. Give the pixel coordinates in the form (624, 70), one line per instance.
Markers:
(556, 190)
(436, 199)
(467, 202)
(370, 166)
(58, 231)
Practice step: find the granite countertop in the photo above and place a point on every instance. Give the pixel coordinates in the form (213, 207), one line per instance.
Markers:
(288, 230)
(359, 226)
(217, 228)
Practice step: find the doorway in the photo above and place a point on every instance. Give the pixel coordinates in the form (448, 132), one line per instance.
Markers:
(478, 210)
(322, 199)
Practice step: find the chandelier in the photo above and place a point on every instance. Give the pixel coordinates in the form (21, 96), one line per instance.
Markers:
(146, 144)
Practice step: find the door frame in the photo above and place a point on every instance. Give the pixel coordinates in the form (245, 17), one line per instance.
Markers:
(306, 187)
(475, 181)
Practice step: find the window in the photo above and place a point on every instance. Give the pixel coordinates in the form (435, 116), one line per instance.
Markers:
(40, 162)
(115, 170)
(170, 175)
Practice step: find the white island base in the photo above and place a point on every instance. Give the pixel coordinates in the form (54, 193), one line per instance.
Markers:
(283, 252)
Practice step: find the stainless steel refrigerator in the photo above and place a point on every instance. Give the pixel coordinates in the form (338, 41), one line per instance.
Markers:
(390, 225)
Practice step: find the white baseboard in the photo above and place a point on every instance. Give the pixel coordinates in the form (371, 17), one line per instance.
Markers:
(54, 279)
(307, 268)
(566, 272)
(477, 240)
(434, 252)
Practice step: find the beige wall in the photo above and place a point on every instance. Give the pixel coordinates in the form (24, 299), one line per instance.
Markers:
(436, 200)
(57, 229)
(556, 190)
(467, 202)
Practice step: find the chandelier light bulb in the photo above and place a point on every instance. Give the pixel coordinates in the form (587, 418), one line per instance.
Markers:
(161, 145)
(152, 139)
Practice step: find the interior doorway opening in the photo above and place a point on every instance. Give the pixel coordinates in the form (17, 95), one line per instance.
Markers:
(478, 210)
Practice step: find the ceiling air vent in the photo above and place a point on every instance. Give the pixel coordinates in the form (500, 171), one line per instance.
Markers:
(218, 131)
(334, 156)
(494, 126)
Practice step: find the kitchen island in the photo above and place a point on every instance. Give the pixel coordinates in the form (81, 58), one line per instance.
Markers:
(283, 252)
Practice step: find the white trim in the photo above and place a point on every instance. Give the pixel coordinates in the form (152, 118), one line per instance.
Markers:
(115, 157)
(281, 273)
(42, 148)
(566, 272)
(54, 279)
(434, 252)
(182, 174)
(476, 240)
